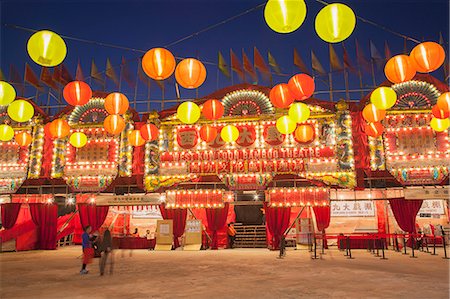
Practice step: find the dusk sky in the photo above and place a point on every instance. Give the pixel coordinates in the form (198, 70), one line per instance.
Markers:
(146, 24)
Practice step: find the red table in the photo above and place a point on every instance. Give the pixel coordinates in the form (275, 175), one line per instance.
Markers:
(135, 243)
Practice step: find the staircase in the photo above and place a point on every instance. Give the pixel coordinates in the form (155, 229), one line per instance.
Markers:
(250, 236)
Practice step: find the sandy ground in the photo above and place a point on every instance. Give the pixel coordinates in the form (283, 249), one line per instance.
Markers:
(238, 273)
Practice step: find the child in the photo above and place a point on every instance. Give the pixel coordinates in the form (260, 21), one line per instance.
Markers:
(88, 251)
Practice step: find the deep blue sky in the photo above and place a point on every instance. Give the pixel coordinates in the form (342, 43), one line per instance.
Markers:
(146, 24)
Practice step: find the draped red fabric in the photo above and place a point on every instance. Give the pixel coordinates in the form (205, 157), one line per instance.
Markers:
(93, 215)
(10, 211)
(179, 222)
(405, 212)
(217, 219)
(45, 216)
(47, 158)
(277, 221)
(322, 214)
(360, 144)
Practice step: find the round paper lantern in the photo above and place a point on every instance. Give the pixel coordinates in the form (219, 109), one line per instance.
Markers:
(135, 138)
(190, 73)
(23, 139)
(6, 133)
(213, 109)
(299, 112)
(116, 103)
(383, 98)
(285, 16)
(149, 132)
(208, 133)
(304, 133)
(7, 93)
(229, 133)
(158, 63)
(371, 114)
(301, 86)
(443, 102)
(20, 111)
(188, 112)
(335, 22)
(285, 125)
(439, 112)
(46, 48)
(59, 128)
(427, 56)
(374, 129)
(439, 125)
(78, 139)
(399, 69)
(114, 124)
(77, 93)
(281, 96)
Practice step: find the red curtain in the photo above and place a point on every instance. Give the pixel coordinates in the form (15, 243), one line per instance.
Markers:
(10, 211)
(322, 214)
(93, 215)
(405, 212)
(217, 219)
(45, 216)
(277, 221)
(179, 222)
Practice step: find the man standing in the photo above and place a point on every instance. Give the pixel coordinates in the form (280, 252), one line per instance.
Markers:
(106, 250)
(231, 234)
(88, 251)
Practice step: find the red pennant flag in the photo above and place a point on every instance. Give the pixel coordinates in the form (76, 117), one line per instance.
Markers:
(347, 62)
(236, 65)
(260, 64)
(79, 73)
(46, 78)
(298, 62)
(126, 73)
(248, 67)
(16, 79)
(31, 77)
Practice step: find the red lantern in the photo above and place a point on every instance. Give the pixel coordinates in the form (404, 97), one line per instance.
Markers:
(281, 96)
(208, 133)
(213, 109)
(114, 124)
(77, 93)
(116, 103)
(135, 138)
(190, 73)
(149, 132)
(371, 114)
(59, 128)
(304, 133)
(439, 112)
(399, 69)
(427, 56)
(301, 86)
(374, 129)
(443, 102)
(23, 139)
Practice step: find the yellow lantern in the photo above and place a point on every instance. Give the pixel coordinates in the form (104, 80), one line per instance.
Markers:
(78, 139)
(285, 16)
(46, 48)
(7, 93)
(286, 125)
(439, 125)
(383, 98)
(188, 112)
(335, 22)
(229, 133)
(299, 112)
(6, 133)
(20, 111)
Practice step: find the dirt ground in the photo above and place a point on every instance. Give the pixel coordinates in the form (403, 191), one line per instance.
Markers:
(237, 273)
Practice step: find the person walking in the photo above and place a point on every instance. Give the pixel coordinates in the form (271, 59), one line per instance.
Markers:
(106, 251)
(88, 250)
(231, 232)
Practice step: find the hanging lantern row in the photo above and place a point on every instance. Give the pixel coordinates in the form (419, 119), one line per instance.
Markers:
(441, 112)
(381, 99)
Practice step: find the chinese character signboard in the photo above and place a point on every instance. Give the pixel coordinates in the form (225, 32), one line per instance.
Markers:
(347, 208)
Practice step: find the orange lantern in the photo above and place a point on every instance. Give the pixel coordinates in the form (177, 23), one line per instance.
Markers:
(158, 63)
(399, 69)
(208, 133)
(149, 132)
(59, 128)
(439, 112)
(213, 109)
(304, 133)
(443, 102)
(190, 73)
(114, 124)
(427, 56)
(23, 139)
(372, 114)
(281, 96)
(116, 103)
(374, 129)
(301, 86)
(77, 93)
(135, 138)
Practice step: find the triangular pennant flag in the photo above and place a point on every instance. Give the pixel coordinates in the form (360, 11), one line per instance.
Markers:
(16, 79)
(387, 51)
(248, 67)
(79, 73)
(236, 65)
(66, 77)
(260, 64)
(375, 55)
(298, 62)
(47, 79)
(273, 63)
(142, 76)
(347, 62)
(126, 73)
(110, 73)
(223, 66)
(335, 63)
(96, 75)
(31, 77)
(361, 59)
(316, 65)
